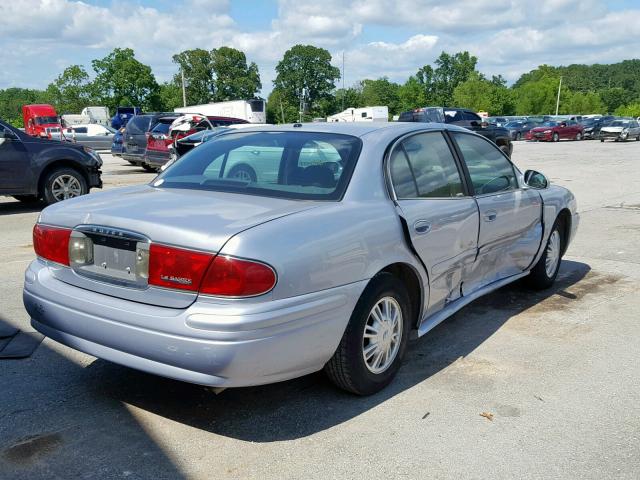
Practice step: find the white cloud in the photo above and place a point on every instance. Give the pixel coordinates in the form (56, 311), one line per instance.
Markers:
(379, 37)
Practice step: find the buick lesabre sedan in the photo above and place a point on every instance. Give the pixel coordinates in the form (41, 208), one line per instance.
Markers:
(273, 252)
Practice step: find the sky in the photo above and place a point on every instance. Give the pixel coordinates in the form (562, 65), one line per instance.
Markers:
(39, 38)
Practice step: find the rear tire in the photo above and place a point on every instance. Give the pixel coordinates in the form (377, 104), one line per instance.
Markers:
(602, 140)
(148, 168)
(518, 136)
(243, 172)
(369, 338)
(63, 183)
(546, 270)
(578, 136)
(505, 149)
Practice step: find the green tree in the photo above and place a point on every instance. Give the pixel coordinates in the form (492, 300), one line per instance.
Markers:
(281, 108)
(539, 97)
(630, 110)
(440, 82)
(12, 100)
(344, 98)
(613, 98)
(198, 69)
(234, 78)
(123, 80)
(380, 92)
(480, 94)
(411, 95)
(70, 92)
(170, 95)
(581, 103)
(306, 68)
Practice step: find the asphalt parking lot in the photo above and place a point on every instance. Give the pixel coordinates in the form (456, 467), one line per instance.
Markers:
(517, 385)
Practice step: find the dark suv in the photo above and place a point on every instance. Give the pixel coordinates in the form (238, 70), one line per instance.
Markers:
(33, 168)
(464, 118)
(134, 138)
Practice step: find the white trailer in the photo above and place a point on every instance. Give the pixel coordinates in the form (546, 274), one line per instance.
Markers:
(365, 114)
(89, 115)
(253, 111)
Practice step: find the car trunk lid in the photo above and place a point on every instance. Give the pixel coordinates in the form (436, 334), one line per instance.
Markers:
(120, 223)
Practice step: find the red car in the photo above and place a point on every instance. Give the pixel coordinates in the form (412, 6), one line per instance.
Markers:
(553, 131)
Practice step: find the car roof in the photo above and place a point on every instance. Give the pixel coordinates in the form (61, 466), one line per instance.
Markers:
(356, 129)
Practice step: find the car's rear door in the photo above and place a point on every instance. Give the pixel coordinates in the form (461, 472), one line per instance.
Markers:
(510, 215)
(442, 218)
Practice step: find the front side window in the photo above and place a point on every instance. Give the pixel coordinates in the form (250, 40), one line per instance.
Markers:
(423, 166)
(298, 165)
(489, 170)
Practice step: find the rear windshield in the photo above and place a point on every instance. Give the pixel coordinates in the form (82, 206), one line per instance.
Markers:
(298, 165)
(161, 128)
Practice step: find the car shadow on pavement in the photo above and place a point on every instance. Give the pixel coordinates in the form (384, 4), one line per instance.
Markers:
(304, 406)
(53, 426)
(14, 208)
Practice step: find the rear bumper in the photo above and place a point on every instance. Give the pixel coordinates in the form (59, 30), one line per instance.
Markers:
(133, 158)
(156, 158)
(226, 344)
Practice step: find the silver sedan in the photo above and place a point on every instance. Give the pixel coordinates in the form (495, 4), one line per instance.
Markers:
(273, 252)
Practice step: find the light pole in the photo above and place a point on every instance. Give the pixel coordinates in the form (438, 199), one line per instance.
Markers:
(558, 99)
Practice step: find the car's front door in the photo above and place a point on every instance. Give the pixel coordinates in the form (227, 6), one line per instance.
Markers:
(510, 216)
(14, 162)
(442, 218)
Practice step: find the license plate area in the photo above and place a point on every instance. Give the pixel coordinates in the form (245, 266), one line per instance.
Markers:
(112, 255)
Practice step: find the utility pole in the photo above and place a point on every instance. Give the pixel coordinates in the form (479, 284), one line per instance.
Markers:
(343, 91)
(184, 92)
(558, 100)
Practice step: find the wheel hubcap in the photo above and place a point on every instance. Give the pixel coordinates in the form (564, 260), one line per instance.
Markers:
(242, 175)
(65, 186)
(553, 254)
(382, 335)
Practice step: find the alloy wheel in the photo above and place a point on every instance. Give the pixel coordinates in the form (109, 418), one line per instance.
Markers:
(65, 186)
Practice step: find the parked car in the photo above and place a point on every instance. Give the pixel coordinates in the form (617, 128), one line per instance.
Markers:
(135, 135)
(518, 129)
(34, 168)
(497, 121)
(162, 138)
(350, 237)
(92, 135)
(554, 131)
(620, 130)
(464, 118)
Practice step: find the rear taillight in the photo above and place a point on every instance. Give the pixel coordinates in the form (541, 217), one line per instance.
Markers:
(232, 277)
(51, 243)
(177, 268)
(172, 267)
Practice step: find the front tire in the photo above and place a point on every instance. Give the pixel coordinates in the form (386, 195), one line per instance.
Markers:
(63, 183)
(546, 270)
(375, 340)
(555, 137)
(243, 172)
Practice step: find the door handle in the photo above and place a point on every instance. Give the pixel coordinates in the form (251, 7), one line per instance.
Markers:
(490, 215)
(422, 227)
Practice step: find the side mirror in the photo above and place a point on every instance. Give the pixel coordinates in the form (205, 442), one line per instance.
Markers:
(535, 180)
(563, 124)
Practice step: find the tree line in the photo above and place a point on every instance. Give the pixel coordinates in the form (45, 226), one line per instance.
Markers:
(305, 86)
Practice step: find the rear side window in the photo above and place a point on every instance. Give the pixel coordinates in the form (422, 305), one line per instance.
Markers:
(423, 166)
(472, 117)
(80, 130)
(452, 116)
(161, 128)
(139, 124)
(489, 170)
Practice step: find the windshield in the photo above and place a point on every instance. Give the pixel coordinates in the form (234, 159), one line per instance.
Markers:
(590, 121)
(46, 120)
(513, 124)
(298, 165)
(619, 123)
